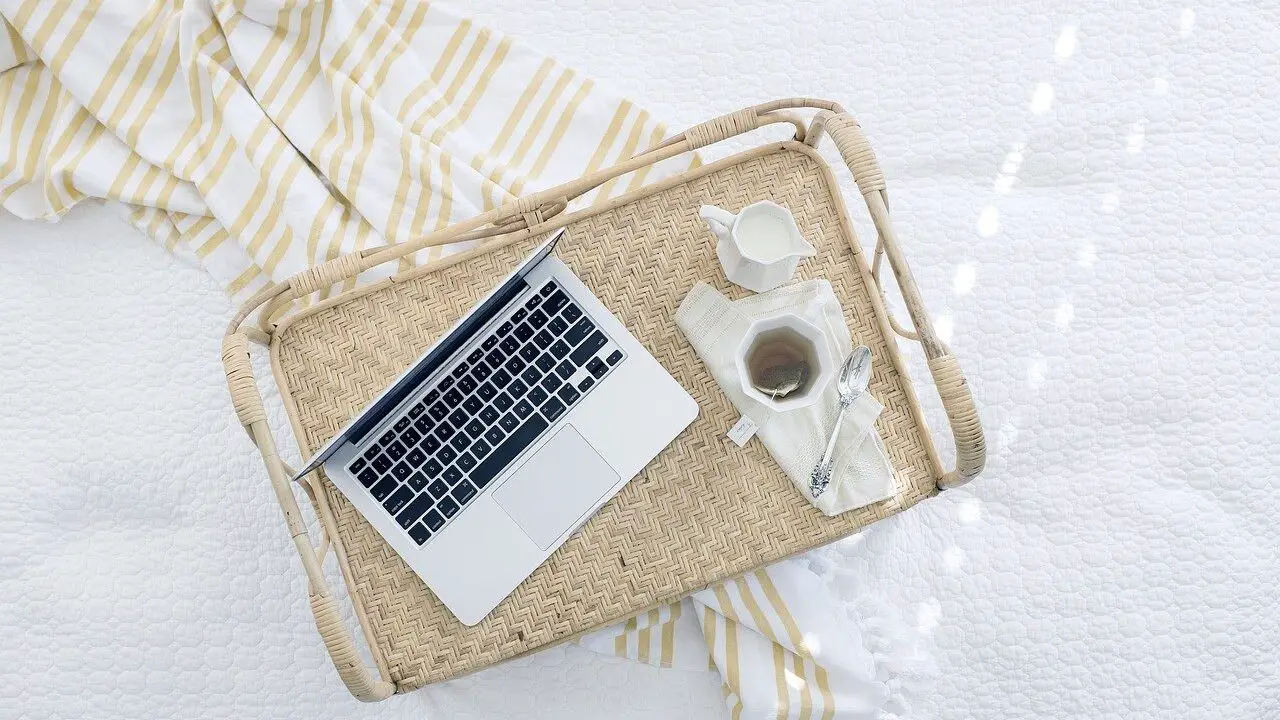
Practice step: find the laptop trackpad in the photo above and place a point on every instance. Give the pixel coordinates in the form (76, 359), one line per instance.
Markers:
(562, 480)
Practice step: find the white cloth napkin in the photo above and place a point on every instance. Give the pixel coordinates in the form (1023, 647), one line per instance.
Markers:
(796, 439)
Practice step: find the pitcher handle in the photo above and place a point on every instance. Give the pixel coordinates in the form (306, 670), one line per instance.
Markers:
(720, 220)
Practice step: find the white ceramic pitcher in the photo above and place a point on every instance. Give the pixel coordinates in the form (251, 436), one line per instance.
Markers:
(760, 247)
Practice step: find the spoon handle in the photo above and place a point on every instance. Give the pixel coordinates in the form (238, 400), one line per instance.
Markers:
(822, 473)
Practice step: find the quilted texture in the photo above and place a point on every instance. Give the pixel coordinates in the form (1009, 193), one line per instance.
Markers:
(1119, 559)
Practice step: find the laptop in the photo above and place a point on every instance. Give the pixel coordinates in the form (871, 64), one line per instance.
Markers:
(506, 435)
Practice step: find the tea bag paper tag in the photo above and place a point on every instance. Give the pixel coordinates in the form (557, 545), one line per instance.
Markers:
(743, 430)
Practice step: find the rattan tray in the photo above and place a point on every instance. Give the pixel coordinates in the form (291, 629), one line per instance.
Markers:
(704, 510)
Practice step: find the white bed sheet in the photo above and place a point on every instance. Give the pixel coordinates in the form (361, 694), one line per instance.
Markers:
(1087, 193)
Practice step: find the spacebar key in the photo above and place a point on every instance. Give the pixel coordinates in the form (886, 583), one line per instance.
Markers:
(507, 451)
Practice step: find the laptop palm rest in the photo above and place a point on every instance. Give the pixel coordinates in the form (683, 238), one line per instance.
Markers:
(549, 493)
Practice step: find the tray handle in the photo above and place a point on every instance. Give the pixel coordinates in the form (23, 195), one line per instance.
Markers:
(247, 400)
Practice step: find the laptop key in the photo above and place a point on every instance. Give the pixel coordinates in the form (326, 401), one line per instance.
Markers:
(480, 448)
(503, 329)
(532, 302)
(420, 534)
(510, 344)
(546, 362)
(583, 352)
(416, 457)
(537, 395)
(466, 461)
(553, 409)
(417, 410)
(473, 405)
(448, 507)
(417, 481)
(424, 424)
(398, 499)
(503, 401)
(523, 408)
(460, 442)
(551, 382)
(411, 512)
(571, 312)
(475, 428)
(565, 369)
(357, 466)
(494, 435)
(432, 468)
(517, 388)
(402, 423)
(384, 488)
(475, 356)
(439, 411)
(555, 302)
(500, 378)
(489, 342)
(524, 332)
(542, 339)
(367, 477)
(466, 384)
(395, 450)
(547, 289)
(481, 373)
(437, 489)
(433, 395)
(487, 391)
(452, 475)
(514, 364)
(433, 519)
(568, 394)
(489, 415)
(461, 370)
(430, 444)
(446, 383)
(372, 451)
(402, 471)
(596, 367)
(495, 358)
(459, 417)
(464, 492)
(579, 331)
(410, 437)
(382, 463)
(559, 349)
(586, 384)
(444, 431)
(537, 319)
(509, 422)
(531, 375)
(519, 315)
(506, 452)
(387, 437)
(446, 455)
(614, 357)
(529, 352)
(453, 398)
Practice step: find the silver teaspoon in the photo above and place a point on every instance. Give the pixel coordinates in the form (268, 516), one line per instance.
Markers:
(855, 374)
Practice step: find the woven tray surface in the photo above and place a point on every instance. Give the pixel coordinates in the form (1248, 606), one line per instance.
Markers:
(702, 511)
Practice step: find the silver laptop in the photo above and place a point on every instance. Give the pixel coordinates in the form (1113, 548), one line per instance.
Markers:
(507, 435)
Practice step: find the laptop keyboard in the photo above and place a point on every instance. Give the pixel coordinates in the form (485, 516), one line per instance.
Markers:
(474, 421)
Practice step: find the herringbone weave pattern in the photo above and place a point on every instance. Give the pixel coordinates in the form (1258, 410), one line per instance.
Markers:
(702, 511)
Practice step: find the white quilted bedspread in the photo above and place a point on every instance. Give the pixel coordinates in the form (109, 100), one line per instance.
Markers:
(1088, 195)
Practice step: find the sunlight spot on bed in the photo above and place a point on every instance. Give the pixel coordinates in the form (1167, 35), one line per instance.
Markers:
(811, 644)
(1161, 86)
(927, 615)
(1042, 98)
(969, 511)
(966, 276)
(1066, 45)
(989, 221)
(1137, 136)
(1087, 254)
(1008, 436)
(953, 558)
(1036, 373)
(1110, 201)
(944, 327)
(795, 681)
(1187, 22)
(1063, 316)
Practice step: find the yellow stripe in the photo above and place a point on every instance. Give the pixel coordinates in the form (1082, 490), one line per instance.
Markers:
(638, 177)
(628, 149)
(240, 283)
(446, 57)
(441, 103)
(620, 642)
(669, 633)
(797, 640)
(473, 98)
(645, 637)
(732, 671)
(540, 119)
(310, 66)
(138, 80)
(205, 37)
(20, 52)
(30, 88)
(610, 135)
(167, 73)
(267, 54)
(520, 108)
(805, 692)
(780, 681)
(59, 59)
(709, 620)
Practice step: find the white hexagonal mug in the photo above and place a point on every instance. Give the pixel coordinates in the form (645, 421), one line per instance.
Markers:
(819, 353)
